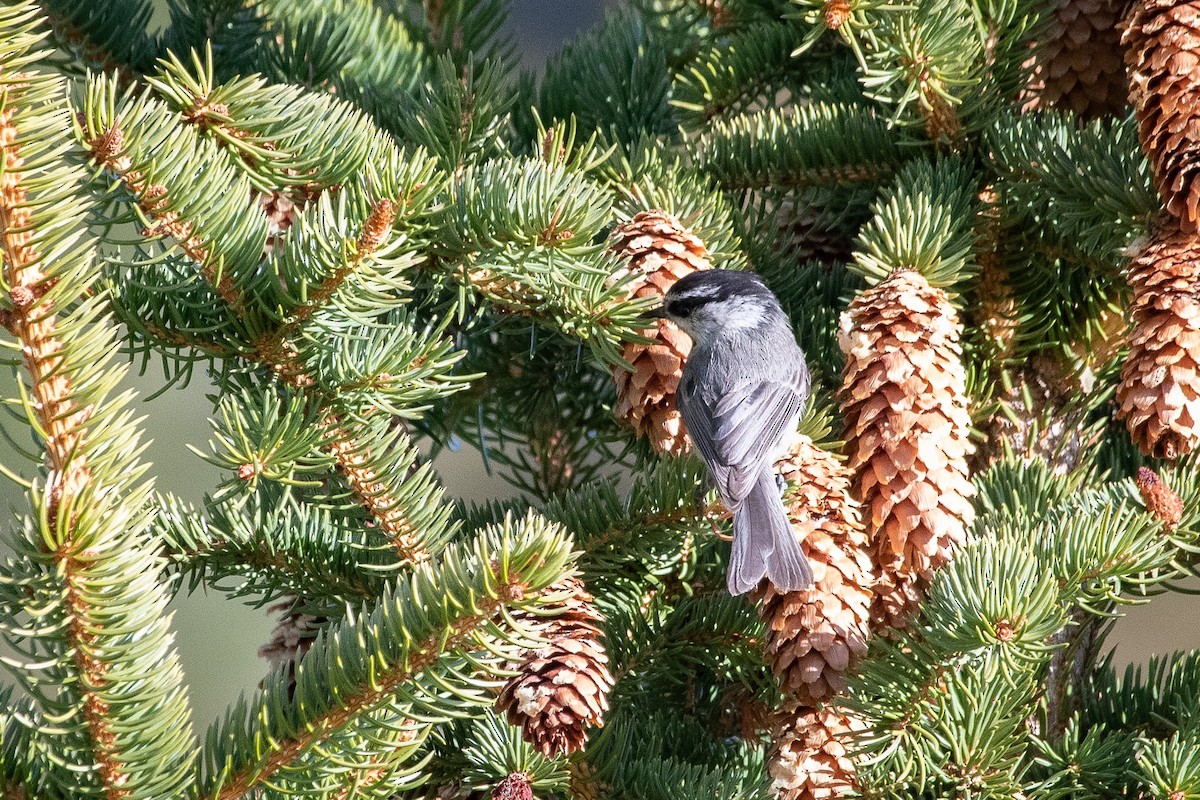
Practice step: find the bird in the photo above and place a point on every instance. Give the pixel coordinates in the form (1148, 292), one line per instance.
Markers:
(740, 395)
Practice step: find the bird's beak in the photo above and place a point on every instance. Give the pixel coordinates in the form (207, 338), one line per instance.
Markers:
(655, 313)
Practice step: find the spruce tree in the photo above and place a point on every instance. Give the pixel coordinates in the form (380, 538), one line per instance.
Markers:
(373, 232)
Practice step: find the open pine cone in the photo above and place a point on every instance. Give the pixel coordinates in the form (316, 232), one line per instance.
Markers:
(658, 251)
(1162, 38)
(1079, 64)
(904, 402)
(562, 688)
(814, 636)
(810, 759)
(1159, 393)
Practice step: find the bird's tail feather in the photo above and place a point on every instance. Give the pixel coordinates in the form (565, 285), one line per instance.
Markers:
(764, 543)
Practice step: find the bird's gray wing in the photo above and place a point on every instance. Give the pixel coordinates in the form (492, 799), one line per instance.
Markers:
(698, 419)
(740, 431)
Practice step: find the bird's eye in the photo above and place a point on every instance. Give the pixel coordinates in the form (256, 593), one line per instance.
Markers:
(681, 311)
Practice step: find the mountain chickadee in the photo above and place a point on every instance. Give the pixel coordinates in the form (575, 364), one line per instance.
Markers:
(740, 396)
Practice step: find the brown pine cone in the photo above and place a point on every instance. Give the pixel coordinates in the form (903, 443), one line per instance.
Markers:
(1159, 393)
(291, 638)
(814, 636)
(996, 314)
(811, 234)
(904, 402)
(809, 760)
(1163, 55)
(583, 784)
(1078, 65)
(562, 688)
(1164, 504)
(515, 787)
(658, 251)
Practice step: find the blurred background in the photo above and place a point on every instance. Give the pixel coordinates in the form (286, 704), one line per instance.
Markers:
(218, 639)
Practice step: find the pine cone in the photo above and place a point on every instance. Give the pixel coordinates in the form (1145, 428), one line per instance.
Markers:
(997, 311)
(1079, 63)
(583, 784)
(1164, 504)
(810, 760)
(291, 638)
(1159, 393)
(562, 688)
(815, 635)
(904, 401)
(811, 234)
(1163, 41)
(515, 787)
(658, 251)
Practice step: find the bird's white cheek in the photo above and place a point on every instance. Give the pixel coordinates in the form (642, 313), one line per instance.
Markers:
(743, 316)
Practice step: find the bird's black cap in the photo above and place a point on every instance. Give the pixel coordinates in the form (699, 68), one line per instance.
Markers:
(713, 286)
(718, 284)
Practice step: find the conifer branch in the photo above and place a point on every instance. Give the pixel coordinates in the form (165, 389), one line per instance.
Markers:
(108, 151)
(76, 39)
(85, 537)
(424, 654)
(35, 325)
(180, 339)
(242, 783)
(92, 673)
(942, 123)
(34, 322)
(389, 512)
(274, 349)
(112, 36)
(270, 348)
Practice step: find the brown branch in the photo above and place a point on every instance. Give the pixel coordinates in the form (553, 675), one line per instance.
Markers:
(942, 123)
(108, 150)
(274, 349)
(78, 41)
(1080, 641)
(372, 493)
(259, 557)
(383, 685)
(92, 672)
(34, 323)
(180, 339)
(367, 777)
